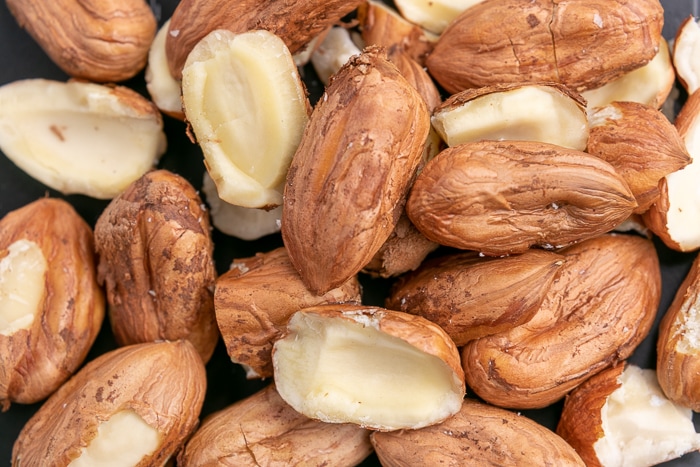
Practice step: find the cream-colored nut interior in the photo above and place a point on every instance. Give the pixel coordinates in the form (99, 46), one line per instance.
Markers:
(683, 217)
(244, 98)
(688, 326)
(123, 440)
(22, 281)
(238, 221)
(433, 15)
(686, 55)
(162, 87)
(78, 137)
(338, 370)
(335, 50)
(643, 85)
(530, 113)
(641, 426)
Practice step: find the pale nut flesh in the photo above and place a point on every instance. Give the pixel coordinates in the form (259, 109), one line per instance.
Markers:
(509, 112)
(377, 368)
(433, 15)
(621, 418)
(165, 91)
(237, 90)
(686, 54)
(80, 137)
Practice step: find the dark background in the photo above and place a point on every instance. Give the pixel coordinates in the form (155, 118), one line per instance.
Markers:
(21, 58)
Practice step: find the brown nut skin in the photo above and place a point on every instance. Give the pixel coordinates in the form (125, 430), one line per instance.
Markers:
(582, 45)
(156, 262)
(678, 356)
(581, 424)
(162, 382)
(262, 429)
(595, 315)
(103, 41)
(657, 216)
(254, 300)
(296, 23)
(403, 251)
(471, 296)
(382, 25)
(34, 362)
(480, 433)
(642, 145)
(348, 180)
(502, 197)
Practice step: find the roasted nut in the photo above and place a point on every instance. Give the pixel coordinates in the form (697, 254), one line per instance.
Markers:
(255, 299)
(416, 75)
(296, 23)
(105, 40)
(502, 198)
(256, 71)
(650, 84)
(262, 429)
(675, 216)
(377, 368)
(403, 251)
(685, 54)
(642, 145)
(595, 315)
(582, 45)
(479, 433)
(678, 344)
(383, 26)
(51, 307)
(509, 112)
(348, 180)
(620, 417)
(155, 260)
(470, 296)
(79, 137)
(135, 405)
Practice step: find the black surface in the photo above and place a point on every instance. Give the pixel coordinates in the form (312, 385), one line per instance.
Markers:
(21, 58)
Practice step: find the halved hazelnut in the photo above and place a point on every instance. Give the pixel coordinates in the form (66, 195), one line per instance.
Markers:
(80, 137)
(686, 54)
(507, 112)
(238, 91)
(165, 90)
(378, 368)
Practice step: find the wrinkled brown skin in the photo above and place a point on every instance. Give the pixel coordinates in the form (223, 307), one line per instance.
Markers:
(502, 197)
(382, 25)
(687, 121)
(595, 315)
(416, 75)
(36, 361)
(546, 40)
(403, 251)
(295, 22)
(479, 434)
(471, 297)
(580, 423)
(254, 300)
(156, 262)
(264, 430)
(96, 40)
(348, 180)
(164, 383)
(678, 371)
(642, 145)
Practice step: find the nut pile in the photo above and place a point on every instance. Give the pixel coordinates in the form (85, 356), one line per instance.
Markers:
(463, 220)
